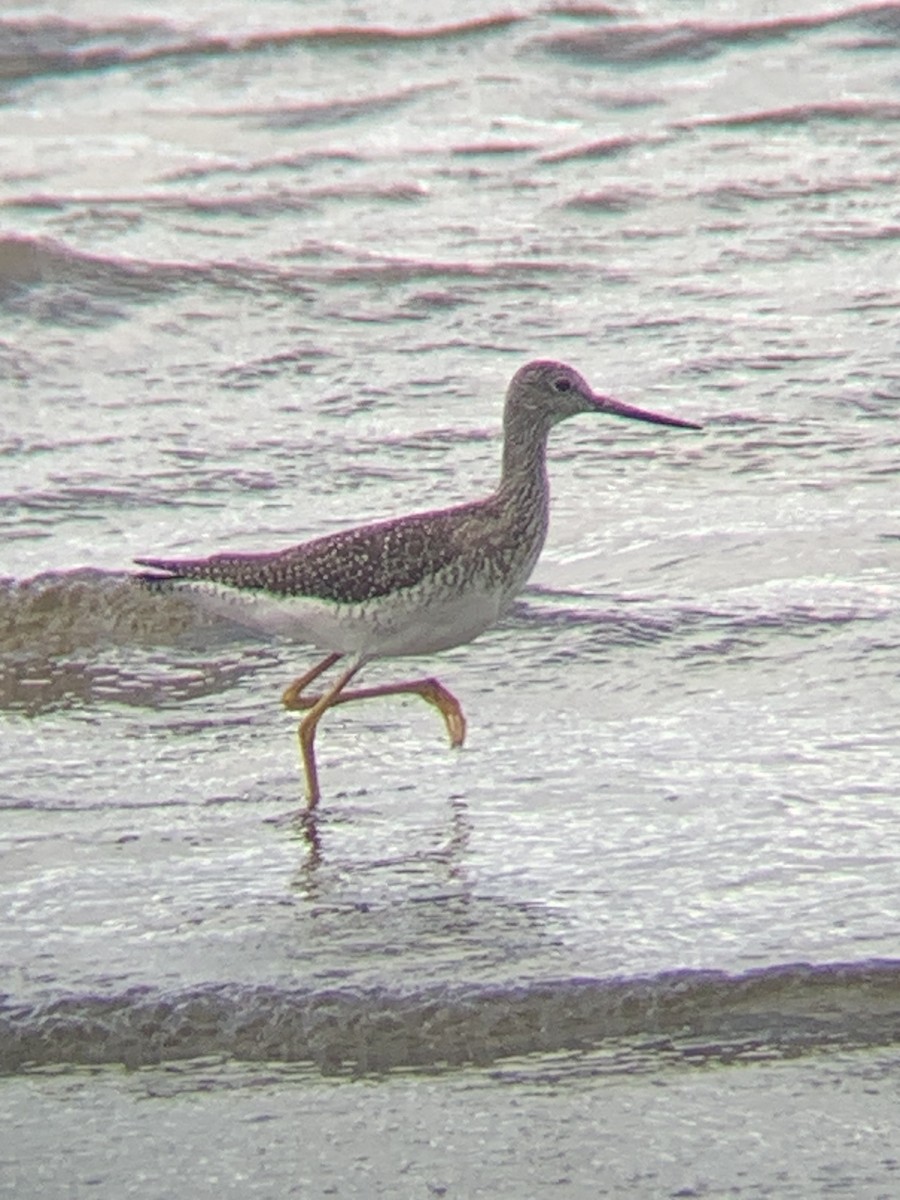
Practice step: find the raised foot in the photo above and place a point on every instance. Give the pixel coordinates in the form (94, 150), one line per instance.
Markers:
(432, 692)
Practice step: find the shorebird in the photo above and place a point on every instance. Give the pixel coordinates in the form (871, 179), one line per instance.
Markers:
(410, 585)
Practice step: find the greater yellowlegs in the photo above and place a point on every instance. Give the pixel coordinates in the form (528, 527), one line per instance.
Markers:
(410, 585)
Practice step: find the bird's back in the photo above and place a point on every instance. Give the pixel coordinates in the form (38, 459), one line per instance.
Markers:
(368, 562)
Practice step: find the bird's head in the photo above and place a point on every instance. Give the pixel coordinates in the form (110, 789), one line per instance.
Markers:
(546, 392)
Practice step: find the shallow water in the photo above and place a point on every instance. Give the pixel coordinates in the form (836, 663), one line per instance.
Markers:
(266, 273)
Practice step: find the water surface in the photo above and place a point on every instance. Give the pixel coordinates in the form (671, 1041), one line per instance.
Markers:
(266, 272)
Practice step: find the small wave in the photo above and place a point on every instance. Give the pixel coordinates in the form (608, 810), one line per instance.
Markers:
(802, 114)
(92, 289)
(88, 636)
(766, 191)
(355, 35)
(331, 112)
(53, 45)
(61, 611)
(49, 45)
(610, 147)
(29, 261)
(636, 44)
(26, 260)
(494, 146)
(23, 263)
(791, 606)
(81, 278)
(609, 200)
(390, 269)
(775, 1011)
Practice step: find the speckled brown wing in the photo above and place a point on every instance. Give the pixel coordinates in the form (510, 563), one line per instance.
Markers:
(350, 567)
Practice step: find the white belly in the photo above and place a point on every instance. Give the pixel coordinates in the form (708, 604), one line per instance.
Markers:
(407, 623)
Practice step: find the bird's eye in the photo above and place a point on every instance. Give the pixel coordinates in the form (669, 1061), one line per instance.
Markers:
(562, 384)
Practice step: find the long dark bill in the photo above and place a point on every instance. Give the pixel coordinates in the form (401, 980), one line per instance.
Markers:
(617, 408)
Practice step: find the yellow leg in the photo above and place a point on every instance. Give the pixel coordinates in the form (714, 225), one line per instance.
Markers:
(432, 692)
(307, 732)
(291, 697)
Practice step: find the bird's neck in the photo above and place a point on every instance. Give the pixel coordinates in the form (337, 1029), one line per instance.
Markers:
(520, 506)
(524, 469)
